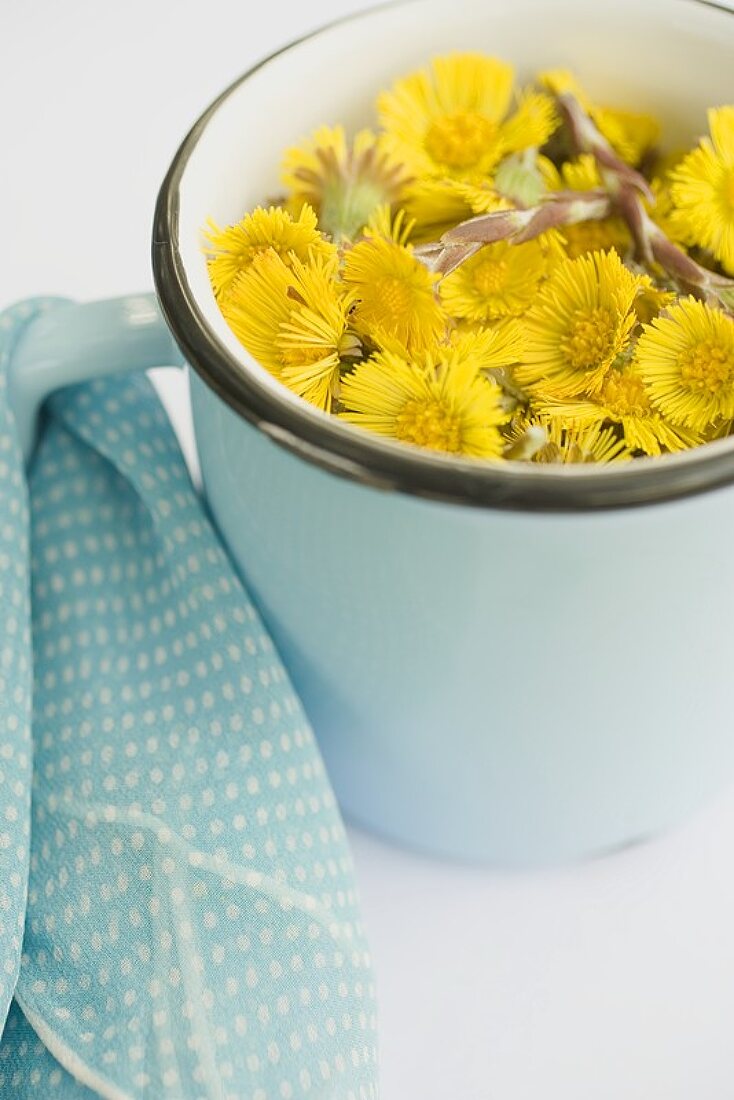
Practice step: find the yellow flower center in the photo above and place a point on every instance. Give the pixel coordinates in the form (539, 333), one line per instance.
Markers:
(625, 395)
(490, 277)
(589, 338)
(707, 366)
(429, 425)
(459, 140)
(394, 296)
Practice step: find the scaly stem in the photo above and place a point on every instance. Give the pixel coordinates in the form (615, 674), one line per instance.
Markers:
(716, 290)
(588, 139)
(627, 187)
(623, 192)
(516, 226)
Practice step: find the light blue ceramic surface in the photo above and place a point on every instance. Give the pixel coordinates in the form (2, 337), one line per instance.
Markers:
(493, 685)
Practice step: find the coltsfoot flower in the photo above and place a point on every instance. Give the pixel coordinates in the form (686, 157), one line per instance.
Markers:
(436, 205)
(455, 119)
(394, 294)
(495, 348)
(294, 319)
(686, 359)
(439, 400)
(343, 182)
(569, 444)
(581, 322)
(702, 190)
(232, 250)
(501, 280)
(623, 399)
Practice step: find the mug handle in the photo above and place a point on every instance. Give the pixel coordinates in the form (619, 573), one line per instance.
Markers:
(78, 342)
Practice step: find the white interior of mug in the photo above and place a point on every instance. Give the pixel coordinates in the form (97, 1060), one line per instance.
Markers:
(670, 57)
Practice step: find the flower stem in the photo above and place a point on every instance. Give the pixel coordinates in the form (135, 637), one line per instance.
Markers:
(623, 192)
(556, 209)
(587, 138)
(627, 188)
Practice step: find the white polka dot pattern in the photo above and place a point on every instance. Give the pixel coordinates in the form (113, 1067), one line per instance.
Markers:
(15, 675)
(27, 1068)
(192, 929)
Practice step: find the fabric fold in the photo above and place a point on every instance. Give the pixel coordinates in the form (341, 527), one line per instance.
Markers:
(16, 669)
(193, 928)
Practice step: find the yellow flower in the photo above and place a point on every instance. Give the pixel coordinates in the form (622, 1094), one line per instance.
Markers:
(438, 401)
(665, 161)
(702, 190)
(571, 444)
(501, 280)
(623, 399)
(597, 235)
(722, 429)
(662, 212)
(686, 359)
(233, 249)
(434, 206)
(630, 134)
(394, 293)
(496, 348)
(482, 197)
(662, 208)
(496, 352)
(579, 174)
(532, 122)
(397, 228)
(651, 301)
(582, 320)
(344, 184)
(292, 317)
(450, 120)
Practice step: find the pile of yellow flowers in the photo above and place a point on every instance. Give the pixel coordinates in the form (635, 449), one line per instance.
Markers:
(497, 273)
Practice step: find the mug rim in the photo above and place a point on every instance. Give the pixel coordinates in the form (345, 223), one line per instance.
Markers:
(388, 465)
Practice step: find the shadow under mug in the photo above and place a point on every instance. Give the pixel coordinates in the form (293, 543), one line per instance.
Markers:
(512, 664)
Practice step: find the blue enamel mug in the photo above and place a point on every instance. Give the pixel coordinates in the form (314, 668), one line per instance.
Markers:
(516, 664)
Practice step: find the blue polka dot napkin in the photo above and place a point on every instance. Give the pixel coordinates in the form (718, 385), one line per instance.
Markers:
(178, 917)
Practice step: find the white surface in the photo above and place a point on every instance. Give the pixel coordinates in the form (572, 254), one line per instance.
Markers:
(611, 981)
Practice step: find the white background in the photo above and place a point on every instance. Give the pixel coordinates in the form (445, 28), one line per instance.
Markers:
(609, 981)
